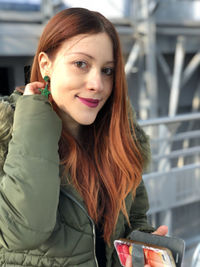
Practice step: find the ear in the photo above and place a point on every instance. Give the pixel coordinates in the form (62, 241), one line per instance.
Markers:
(45, 64)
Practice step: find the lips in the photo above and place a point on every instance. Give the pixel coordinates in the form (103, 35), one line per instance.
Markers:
(90, 102)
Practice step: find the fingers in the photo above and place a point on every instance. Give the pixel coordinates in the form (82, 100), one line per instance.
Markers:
(33, 88)
(162, 230)
(129, 261)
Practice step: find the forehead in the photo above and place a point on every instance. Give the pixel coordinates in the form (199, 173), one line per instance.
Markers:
(97, 45)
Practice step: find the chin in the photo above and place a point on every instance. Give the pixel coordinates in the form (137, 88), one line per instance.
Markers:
(86, 121)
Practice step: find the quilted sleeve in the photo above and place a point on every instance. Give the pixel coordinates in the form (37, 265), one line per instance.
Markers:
(30, 184)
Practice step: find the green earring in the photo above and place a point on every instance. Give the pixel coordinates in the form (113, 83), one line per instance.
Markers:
(45, 91)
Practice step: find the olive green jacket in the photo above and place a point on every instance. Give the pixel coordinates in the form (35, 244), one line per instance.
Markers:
(42, 223)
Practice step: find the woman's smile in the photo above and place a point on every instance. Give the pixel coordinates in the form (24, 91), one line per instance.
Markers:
(90, 102)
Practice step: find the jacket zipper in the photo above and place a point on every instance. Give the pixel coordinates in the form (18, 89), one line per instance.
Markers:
(93, 225)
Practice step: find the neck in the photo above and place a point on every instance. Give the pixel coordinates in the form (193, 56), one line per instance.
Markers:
(70, 125)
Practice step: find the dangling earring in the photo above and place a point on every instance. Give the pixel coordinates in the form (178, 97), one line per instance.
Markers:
(46, 91)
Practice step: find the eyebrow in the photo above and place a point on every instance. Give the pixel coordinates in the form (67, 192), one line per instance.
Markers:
(91, 57)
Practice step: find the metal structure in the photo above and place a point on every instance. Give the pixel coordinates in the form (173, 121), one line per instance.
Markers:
(160, 31)
(20, 29)
(164, 62)
(176, 152)
(173, 179)
(24, 11)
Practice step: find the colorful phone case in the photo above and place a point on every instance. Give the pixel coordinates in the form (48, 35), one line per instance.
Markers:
(176, 245)
(152, 255)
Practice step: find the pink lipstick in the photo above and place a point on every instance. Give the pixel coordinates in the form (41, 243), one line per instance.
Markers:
(90, 102)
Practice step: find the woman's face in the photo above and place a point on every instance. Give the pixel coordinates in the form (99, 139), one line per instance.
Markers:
(81, 76)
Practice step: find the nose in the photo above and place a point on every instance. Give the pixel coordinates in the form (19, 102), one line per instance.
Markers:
(95, 81)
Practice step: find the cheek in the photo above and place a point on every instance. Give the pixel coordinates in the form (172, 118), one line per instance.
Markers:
(59, 77)
(58, 84)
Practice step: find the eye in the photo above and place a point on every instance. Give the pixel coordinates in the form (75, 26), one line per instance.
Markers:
(80, 64)
(108, 71)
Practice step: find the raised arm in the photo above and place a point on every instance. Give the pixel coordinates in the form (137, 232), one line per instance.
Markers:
(29, 185)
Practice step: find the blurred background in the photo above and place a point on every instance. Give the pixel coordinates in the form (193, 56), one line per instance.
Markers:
(161, 48)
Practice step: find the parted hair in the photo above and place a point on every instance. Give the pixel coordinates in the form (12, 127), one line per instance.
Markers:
(107, 164)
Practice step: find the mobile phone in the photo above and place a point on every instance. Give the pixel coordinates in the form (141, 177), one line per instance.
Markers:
(175, 245)
(153, 255)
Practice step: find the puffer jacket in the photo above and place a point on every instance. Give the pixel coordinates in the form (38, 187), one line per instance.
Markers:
(42, 223)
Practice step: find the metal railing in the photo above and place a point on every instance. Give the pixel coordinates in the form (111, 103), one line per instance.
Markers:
(173, 178)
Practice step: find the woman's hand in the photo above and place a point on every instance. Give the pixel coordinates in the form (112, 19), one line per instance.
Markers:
(33, 88)
(161, 230)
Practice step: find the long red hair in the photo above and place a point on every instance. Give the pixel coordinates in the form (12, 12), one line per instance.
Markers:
(107, 166)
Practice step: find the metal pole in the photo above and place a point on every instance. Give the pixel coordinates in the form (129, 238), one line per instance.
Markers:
(132, 58)
(151, 69)
(150, 55)
(176, 79)
(127, 8)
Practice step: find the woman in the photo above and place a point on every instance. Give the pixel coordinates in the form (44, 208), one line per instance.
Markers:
(71, 182)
